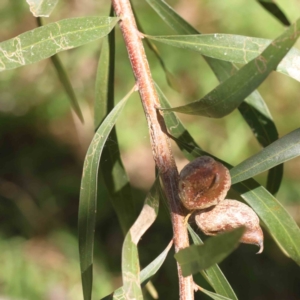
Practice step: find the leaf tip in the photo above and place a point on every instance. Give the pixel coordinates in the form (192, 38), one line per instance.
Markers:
(261, 246)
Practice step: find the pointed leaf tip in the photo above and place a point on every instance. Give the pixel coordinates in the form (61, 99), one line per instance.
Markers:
(274, 10)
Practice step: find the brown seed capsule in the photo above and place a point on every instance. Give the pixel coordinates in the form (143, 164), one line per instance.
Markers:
(228, 215)
(203, 182)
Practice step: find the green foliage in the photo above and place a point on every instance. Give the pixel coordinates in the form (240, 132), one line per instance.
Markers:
(88, 197)
(278, 152)
(233, 48)
(104, 175)
(43, 42)
(130, 261)
(201, 257)
(114, 174)
(230, 93)
(213, 274)
(274, 10)
(42, 8)
(63, 77)
(145, 274)
(275, 218)
(213, 295)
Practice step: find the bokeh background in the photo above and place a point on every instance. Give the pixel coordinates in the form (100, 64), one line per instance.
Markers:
(42, 148)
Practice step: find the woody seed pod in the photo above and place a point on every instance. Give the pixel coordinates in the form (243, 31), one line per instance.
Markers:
(228, 215)
(203, 182)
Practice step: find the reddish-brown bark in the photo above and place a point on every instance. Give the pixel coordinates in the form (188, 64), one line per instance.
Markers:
(161, 149)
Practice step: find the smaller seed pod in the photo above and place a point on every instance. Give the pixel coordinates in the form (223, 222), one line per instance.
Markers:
(228, 215)
(203, 182)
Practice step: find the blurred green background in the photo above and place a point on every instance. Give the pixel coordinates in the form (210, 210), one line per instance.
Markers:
(43, 146)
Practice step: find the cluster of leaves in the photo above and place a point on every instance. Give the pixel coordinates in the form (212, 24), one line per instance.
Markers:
(237, 90)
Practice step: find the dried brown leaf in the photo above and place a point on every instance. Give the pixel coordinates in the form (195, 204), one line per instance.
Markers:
(228, 215)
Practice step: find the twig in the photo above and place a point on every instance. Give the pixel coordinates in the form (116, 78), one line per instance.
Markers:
(161, 148)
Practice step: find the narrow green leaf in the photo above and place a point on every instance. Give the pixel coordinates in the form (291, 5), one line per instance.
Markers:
(233, 48)
(167, 13)
(214, 275)
(104, 88)
(223, 70)
(199, 257)
(115, 176)
(145, 274)
(155, 265)
(259, 119)
(171, 80)
(197, 241)
(43, 42)
(41, 8)
(174, 125)
(230, 93)
(64, 79)
(130, 260)
(256, 114)
(283, 149)
(88, 198)
(276, 219)
(130, 263)
(274, 10)
(274, 179)
(213, 295)
(131, 270)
